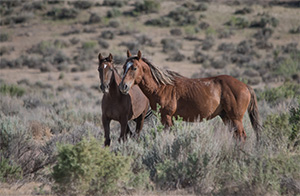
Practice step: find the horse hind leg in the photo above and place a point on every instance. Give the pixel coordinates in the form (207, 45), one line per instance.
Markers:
(235, 125)
(239, 130)
(128, 131)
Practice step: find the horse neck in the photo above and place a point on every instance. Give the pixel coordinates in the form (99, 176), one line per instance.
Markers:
(115, 80)
(148, 85)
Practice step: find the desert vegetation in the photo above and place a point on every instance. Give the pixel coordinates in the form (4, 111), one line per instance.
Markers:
(51, 134)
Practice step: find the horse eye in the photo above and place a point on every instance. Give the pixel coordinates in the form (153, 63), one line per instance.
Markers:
(134, 68)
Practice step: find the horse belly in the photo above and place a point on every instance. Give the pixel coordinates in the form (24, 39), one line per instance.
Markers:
(197, 110)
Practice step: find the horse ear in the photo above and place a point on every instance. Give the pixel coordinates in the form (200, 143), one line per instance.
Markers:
(139, 55)
(128, 54)
(110, 57)
(100, 56)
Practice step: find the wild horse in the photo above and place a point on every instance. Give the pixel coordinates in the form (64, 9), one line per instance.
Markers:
(117, 106)
(192, 99)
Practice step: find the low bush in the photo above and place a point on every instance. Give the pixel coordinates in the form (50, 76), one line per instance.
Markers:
(195, 7)
(285, 128)
(62, 13)
(181, 16)
(204, 25)
(161, 22)
(94, 18)
(17, 19)
(4, 37)
(107, 34)
(225, 33)
(6, 50)
(243, 11)
(71, 32)
(237, 22)
(199, 56)
(89, 45)
(226, 47)
(288, 66)
(103, 44)
(285, 91)
(114, 24)
(36, 5)
(208, 43)
(88, 168)
(170, 45)
(113, 13)
(295, 30)
(115, 3)
(290, 48)
(176, 32)
(263, 34)
(147, 6)
(131, 45)
(176, 57)
(83, 4)
(12, 90)
(9, 171)
(264, 21)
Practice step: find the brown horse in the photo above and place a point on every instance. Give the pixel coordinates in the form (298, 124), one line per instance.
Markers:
(192, 99)
(117, 106)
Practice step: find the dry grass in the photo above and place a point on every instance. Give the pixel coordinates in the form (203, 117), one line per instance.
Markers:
(64, 106)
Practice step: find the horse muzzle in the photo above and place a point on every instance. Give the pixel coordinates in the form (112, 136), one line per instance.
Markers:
(124, 88)
(104, 88)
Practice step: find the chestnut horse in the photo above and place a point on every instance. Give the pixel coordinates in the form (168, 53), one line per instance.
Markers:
(117, 106)
(192, 99)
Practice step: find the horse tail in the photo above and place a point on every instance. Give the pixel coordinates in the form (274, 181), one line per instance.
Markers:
(253, 114)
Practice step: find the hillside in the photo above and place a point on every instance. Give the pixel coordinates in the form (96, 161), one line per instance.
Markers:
(49, 93)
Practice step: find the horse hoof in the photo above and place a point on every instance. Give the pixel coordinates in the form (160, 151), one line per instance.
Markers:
(107, 142)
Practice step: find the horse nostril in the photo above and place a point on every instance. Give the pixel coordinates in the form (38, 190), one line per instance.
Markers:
(125, 86)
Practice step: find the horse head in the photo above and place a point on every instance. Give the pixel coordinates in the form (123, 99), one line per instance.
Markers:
(133, 72)
(105, 70)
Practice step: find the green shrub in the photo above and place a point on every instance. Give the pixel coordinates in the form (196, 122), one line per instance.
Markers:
(62, 13)
(295, 123)
(264, 21)
(161, 22)
(237, 22)
(273, 95)
(295, 30)
(9, 171)
(288, 67)
(88, 168)
(94, 18)
(182, 16)
(115, 3)
(83, 4)
(12, 90)
(17, 19)
(89, 45)
(113, 13)
(4, 37)
(147, 6)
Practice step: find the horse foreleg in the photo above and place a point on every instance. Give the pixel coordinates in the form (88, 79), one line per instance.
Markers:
(106, 123)
(124, 125)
